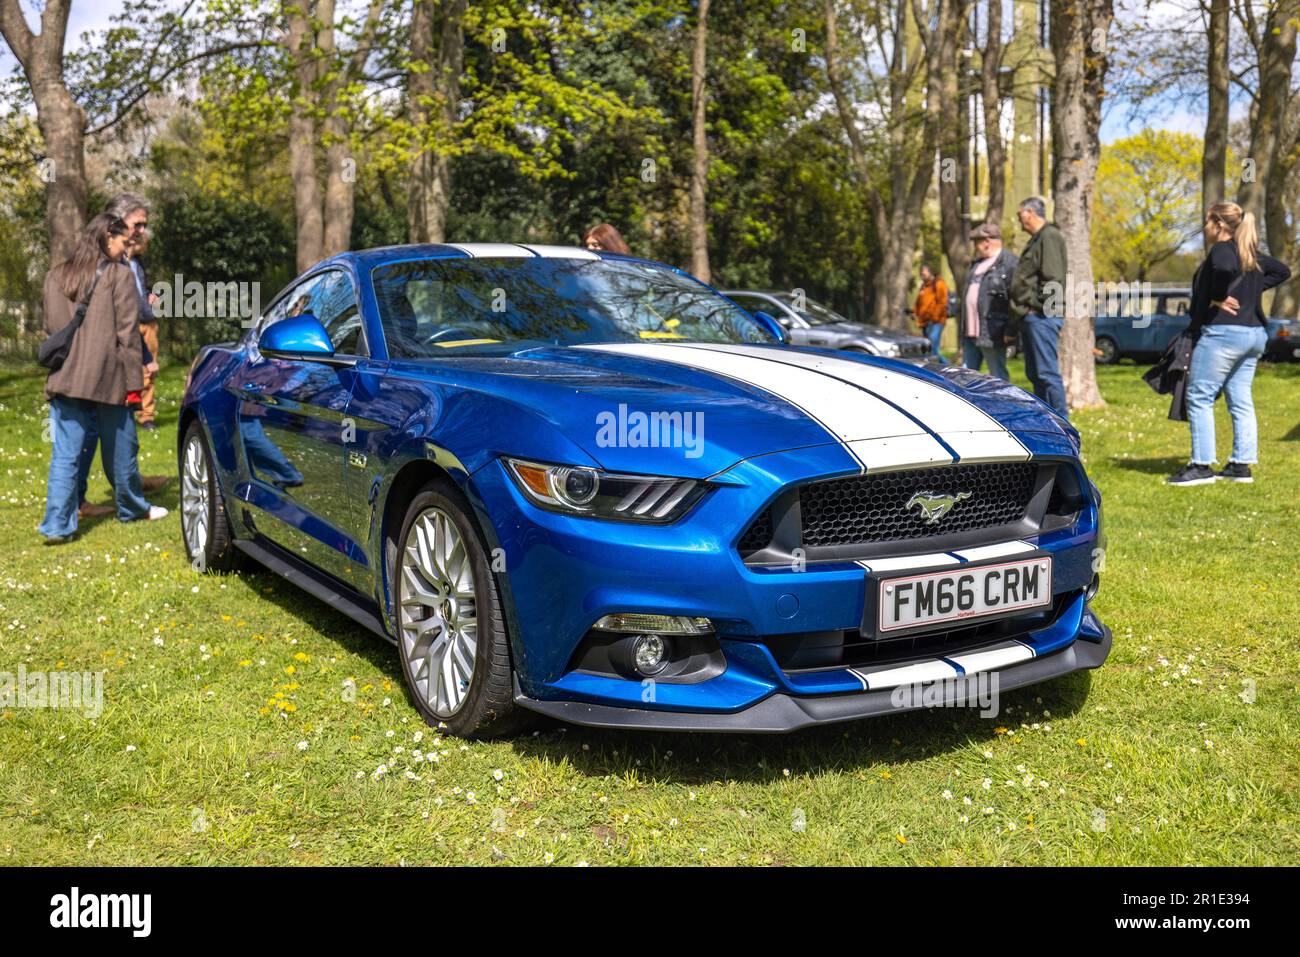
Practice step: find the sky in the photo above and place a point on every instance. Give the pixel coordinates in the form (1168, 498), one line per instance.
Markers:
(91, 15)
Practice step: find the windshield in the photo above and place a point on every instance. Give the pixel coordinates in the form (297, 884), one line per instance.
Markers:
(431, 307)
(813, 312)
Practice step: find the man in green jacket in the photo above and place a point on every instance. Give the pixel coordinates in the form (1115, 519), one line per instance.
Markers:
(1038, 300)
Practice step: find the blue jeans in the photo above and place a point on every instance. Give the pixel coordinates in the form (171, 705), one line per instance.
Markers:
(934, 332)
(1042, 335)
(1224, 359)
(997, 360)
(971, 356)
(70, 421)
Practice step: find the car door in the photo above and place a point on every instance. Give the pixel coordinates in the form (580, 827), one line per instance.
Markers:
(293, 428)
(1176, 315)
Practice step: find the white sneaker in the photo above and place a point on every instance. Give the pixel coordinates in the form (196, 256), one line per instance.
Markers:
(156, 512)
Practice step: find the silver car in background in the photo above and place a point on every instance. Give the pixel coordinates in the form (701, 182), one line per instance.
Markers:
(809, 323)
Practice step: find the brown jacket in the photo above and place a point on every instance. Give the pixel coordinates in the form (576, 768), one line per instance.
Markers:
(932, 303)
(104, 363)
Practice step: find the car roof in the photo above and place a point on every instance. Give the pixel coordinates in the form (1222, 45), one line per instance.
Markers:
(369, 258)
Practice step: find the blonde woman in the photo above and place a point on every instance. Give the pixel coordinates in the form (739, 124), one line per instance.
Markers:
(1231, 333)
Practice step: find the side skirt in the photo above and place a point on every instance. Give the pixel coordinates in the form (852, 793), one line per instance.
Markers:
(317, 584)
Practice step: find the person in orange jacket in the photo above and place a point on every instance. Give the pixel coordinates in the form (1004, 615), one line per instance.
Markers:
(931, 309)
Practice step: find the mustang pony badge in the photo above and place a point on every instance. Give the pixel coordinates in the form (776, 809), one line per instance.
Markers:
(935, 507)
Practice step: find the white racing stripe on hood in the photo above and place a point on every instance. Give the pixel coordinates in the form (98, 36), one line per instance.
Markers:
(973, 434)
(858, 420)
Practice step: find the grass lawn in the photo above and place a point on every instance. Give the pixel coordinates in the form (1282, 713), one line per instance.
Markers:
(244, 723)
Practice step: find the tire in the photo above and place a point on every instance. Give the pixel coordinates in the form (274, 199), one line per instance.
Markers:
(205, 526)
(454, 648)
(1108, 351)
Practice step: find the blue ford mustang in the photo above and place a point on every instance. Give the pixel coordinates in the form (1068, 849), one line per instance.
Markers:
(589, 486)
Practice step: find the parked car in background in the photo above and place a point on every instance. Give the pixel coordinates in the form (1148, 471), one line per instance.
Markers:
(1283, 341)
(1142, 327)
(809, 323)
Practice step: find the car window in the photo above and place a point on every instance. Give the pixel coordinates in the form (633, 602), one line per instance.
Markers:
(329, 297)
(429, 307)
(1176, 305)
(334, 303)
(750, 303)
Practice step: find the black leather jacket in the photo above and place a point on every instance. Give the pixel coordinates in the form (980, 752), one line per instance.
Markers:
(994, 298)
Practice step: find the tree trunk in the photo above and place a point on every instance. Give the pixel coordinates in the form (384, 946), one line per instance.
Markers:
(61, 120)
(1276, 56)
(308, 211)
(897, 221)
(1214, 162)
(991, 99)
(62, 123)
(435, 96)
(699, 211)
(952, 92)
(1081, 63)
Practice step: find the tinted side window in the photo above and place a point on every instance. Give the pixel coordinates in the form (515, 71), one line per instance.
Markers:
(334, 303)
(330, 298)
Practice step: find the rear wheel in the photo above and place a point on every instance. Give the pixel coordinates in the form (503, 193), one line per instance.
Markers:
(451, 634)
(204, 524)
(1107, 351)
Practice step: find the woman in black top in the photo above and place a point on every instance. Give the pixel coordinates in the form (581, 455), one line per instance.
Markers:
(1231, 333)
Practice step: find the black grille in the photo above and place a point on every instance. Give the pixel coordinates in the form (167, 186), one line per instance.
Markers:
(815, 652)
(757, 535)
(874, 508)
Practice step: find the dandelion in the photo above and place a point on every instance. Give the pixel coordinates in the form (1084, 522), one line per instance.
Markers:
(303, 745)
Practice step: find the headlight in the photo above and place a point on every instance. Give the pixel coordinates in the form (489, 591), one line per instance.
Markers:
(885, 348)
(583, 491)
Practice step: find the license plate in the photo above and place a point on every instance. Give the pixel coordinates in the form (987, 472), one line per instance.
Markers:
(962, 592)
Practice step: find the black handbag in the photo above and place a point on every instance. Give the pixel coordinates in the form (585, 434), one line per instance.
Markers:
(54, 349)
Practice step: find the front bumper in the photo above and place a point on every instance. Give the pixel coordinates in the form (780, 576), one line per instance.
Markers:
(563, 573)
(779, 713)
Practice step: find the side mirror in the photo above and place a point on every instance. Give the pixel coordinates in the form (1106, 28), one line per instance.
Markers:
(296, 337)
(774, 329)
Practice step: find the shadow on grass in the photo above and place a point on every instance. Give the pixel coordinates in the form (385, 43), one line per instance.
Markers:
(700, 758)
(252, 580)
(693, 758)
(1157, 465)
(1293, 435)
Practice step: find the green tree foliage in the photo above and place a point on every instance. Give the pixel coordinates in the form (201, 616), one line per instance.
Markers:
(1147, 205)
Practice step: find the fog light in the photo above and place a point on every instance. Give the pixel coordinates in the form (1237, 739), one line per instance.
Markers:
(1092, 588)
(661, 624)
(650, 653)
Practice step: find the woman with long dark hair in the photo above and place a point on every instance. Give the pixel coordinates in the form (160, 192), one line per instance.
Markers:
(605, 238)
(1231, 333)
(100, 379)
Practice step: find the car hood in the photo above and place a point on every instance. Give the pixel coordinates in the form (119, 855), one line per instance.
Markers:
(696, 410)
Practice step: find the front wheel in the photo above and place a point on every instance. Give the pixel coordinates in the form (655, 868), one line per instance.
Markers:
(205, 527)
(451, 634)
(1107, 351)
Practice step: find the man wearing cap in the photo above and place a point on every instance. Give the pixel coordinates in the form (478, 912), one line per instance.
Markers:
(983, 303)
